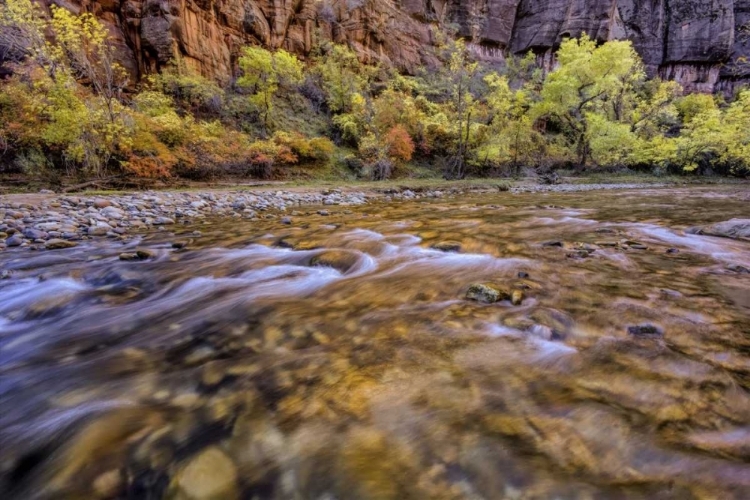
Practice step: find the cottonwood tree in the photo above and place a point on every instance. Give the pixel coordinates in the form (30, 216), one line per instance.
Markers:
(462, 69)
(588, 76)
(72, 81)
(264, 73)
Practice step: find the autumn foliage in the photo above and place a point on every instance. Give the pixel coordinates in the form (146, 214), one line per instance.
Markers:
(70, 109)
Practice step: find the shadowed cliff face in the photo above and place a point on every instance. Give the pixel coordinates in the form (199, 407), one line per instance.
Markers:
(700, 43)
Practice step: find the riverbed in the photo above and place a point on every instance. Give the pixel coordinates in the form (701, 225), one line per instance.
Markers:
(336, 353)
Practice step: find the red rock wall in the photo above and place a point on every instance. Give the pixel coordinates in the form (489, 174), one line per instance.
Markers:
(701, 43)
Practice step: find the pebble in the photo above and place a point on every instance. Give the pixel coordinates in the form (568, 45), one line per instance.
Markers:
(55, 244)
(108, 484)
(16, 240)
(74, 218)
(447, 246)
(646, 330)
(211, 475)
(145, 253)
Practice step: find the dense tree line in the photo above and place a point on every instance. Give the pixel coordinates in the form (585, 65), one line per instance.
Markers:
(68, 108)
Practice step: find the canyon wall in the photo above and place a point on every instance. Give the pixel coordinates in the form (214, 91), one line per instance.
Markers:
(703, 44)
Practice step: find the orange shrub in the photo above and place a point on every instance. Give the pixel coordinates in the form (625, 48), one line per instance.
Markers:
(400, 144)
(148, 157)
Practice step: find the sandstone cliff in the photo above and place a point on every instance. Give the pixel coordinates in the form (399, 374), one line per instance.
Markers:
(701, 43)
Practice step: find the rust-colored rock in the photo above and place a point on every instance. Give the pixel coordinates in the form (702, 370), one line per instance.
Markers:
(700, 43)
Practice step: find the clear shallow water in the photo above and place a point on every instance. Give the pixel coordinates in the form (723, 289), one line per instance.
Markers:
(337, 357)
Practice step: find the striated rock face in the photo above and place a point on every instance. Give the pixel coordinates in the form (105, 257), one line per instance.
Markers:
(701, 43)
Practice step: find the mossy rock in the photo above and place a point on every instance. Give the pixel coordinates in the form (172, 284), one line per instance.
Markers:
(486, 293)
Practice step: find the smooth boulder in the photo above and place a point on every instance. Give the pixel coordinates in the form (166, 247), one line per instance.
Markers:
(732, 228)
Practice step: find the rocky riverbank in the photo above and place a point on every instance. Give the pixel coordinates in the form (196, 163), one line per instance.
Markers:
(52, 221)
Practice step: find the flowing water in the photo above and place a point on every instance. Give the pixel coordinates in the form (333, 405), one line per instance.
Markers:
(337, 358)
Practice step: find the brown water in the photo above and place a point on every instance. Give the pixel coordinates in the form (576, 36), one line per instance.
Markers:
(338, 359)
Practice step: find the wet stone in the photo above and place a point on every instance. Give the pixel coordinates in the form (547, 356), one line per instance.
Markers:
(737, 268)
(485, 293)
(447, 246)
(14, 241)
(645, 330)
(340, 260)
(56, 244)
(211, 475)
(108, 484)
(145, 253)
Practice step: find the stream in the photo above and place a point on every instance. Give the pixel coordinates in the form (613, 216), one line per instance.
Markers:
(338, 357)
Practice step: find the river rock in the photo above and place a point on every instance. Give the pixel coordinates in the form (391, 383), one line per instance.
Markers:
(211, 475)
(737, 268)
(34, 234)
(98, 230)
(56, 243)
(108, 484)
(102, 203)
(145, 253)
(447, 246)
(733, 228)
(486, 293)
(646, 330)
(16, 240)
(340, 260)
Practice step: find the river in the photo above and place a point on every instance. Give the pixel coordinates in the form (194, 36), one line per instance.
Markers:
(339, 358)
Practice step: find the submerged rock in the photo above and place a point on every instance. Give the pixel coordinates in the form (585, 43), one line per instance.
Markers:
(732, 228)
(447, 246)
(341, 260)
(645, 330)
(209, 476)
(145, 253)
(737, 268)
(488, 294)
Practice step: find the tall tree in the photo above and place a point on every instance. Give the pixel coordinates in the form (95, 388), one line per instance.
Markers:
(264, 73)
(588, 76)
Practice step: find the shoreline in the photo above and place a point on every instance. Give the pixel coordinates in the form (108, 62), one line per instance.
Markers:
(55, 221)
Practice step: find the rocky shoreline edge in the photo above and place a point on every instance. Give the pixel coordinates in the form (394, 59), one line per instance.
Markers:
(50, 221)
